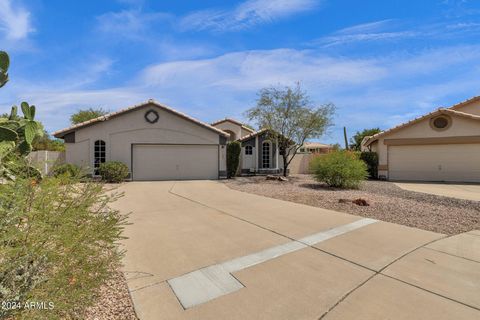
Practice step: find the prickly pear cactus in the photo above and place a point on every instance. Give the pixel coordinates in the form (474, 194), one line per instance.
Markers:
(4, 64)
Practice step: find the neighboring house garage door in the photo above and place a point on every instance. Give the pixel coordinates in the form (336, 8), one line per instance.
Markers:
(454, 162)
(175, 162)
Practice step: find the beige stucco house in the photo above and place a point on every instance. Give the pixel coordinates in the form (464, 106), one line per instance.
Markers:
(155, 141)
(443, 145)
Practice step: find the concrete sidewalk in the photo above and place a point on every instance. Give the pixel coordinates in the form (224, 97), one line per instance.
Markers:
(286, 260)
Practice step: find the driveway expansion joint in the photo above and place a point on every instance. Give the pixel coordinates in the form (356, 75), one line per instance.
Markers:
(206, 284)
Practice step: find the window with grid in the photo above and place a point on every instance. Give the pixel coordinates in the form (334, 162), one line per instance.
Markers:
(98, 155)
(266, 155)
(248, 150)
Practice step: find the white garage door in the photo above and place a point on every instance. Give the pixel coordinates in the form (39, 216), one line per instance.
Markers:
(175, 162)
(455, 162)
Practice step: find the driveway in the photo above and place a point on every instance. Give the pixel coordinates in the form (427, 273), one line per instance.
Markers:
(199, 250)
(460, 191)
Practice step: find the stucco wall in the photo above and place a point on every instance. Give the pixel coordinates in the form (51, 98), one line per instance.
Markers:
(120, 132)
(235, 128)
(459, 127)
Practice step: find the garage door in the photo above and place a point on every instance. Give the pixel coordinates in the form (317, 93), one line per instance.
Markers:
(175, 162)
(455, 162)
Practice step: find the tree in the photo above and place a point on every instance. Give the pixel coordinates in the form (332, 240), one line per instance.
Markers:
(45, 142)
(87, 114)
(290, 118)
(356, 140)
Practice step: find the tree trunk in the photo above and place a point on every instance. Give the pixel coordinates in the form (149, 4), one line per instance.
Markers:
(285, 166)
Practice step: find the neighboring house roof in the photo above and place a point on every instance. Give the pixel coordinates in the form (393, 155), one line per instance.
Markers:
(232, 121)
(61, 133)
(316, 145)
(449, 111)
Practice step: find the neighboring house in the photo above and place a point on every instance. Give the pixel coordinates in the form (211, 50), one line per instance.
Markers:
(153, 140)
(259, 154)
(315, 147)
(443, 145)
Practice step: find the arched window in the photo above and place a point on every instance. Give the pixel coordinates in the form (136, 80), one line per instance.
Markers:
(98, 155)
(248, 150)
(266, 154)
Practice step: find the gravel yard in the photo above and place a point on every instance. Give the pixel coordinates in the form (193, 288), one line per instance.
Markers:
(388, 202)
(114, 302)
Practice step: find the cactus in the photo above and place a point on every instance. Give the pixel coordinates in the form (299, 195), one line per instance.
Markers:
(4, 64)
(345, 137)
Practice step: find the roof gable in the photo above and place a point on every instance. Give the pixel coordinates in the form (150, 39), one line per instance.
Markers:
(368, 140)
(61, 133)
(238, 123)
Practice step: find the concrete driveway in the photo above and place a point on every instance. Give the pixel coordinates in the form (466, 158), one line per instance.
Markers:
(199, 250)
(460, 191)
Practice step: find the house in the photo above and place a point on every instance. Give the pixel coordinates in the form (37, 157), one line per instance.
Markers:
(155, 141)
(443, 145)
(259, 153)
(315, 147)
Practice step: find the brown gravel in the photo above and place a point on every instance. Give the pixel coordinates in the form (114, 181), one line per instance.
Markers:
(387, 202)
(114, 302)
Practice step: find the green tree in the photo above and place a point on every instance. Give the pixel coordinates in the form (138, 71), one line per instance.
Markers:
(356, 140)
(87, 114)
(290, 118)
(46, 142)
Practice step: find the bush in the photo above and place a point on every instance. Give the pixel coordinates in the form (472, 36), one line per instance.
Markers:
(371, 160)
(113, 171)
(233, 158)
(68, 169)
(58, 244)
(340, 169)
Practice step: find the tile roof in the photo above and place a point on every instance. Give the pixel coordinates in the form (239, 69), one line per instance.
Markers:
(63, 132)
(232, 121)
(253, 134)
(447, 111)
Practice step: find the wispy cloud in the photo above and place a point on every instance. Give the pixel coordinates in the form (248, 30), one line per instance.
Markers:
(131, 24)
(372, 31)
(15, 21)
(245, 15)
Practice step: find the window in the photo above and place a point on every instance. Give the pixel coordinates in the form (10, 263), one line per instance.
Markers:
(248, 150)
(98, 155)
(266, 155)
(440, 122)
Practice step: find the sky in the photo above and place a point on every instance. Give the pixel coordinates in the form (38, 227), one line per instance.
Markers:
(380, 62)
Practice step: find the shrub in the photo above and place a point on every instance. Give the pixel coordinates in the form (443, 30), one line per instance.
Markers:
(58, 244)
(68, 169)
(233, 158)
(371, 159)
(113, 171)
(340, 169)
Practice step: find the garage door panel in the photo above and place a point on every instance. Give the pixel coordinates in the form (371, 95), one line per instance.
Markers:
(175, 162)
(455, 162)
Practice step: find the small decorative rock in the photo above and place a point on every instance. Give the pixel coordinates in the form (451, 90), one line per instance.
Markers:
(361, 202)
(344, 201)
(278, 178)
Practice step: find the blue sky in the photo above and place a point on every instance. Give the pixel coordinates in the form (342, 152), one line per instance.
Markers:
(380, 62)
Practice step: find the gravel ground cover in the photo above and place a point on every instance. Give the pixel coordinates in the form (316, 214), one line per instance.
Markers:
(387, 202)
(114, 302)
